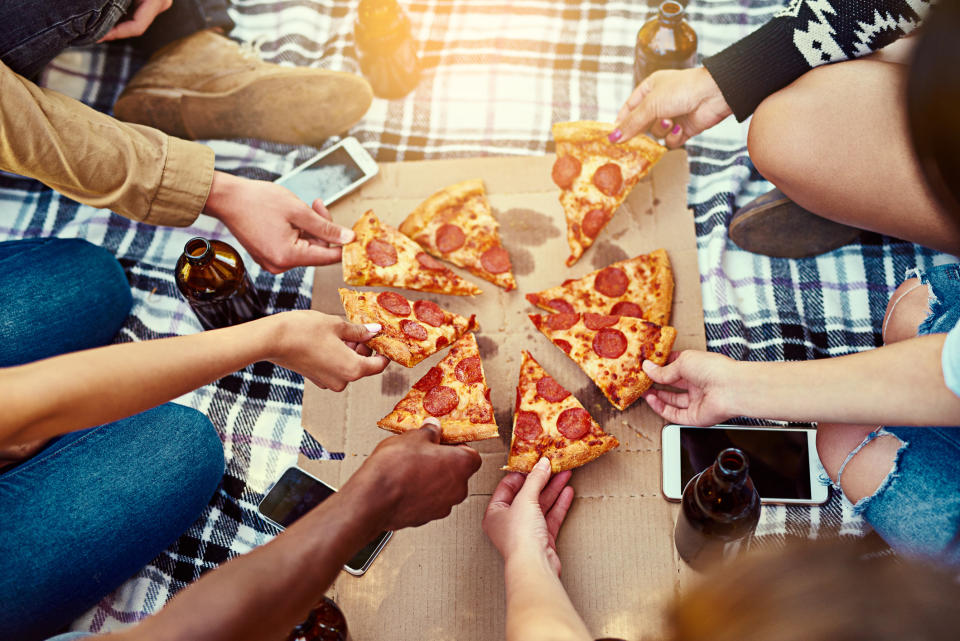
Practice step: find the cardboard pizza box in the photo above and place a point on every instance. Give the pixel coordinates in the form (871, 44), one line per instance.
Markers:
(444, 581)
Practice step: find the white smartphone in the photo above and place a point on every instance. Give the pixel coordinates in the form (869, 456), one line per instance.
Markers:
(295, 494)
(331, 174)
(784, 464)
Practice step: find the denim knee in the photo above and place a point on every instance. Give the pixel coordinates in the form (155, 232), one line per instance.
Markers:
(199, 459)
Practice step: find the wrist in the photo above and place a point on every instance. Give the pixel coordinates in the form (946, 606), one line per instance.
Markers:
(742, 383)
(527, 558)
(711, 94)
(374, 498)
(222, 188)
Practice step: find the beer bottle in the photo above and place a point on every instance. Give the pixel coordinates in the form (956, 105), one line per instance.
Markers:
(324, 623)
(719, 512)
(211, 276)
(666, 41)
(388, 52)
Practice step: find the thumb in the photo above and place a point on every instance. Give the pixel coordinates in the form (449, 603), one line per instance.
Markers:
(357, 333)
(666, 375)
(536, 481)
(638, 120)
(430, 429)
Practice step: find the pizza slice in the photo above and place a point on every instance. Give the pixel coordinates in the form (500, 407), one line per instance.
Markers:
(550, 421)
(381, 255)
(595, 176)
(610, 349)
(456, 224)
(411, 330)
(455, 392)
(641, 287)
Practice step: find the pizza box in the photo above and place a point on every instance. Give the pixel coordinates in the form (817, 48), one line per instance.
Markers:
(444, 581)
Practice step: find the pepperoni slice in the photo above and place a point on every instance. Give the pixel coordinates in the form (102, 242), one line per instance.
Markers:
(442, 342)
(394, 303)
(611, 281)
(480, 414)
(626, 308)
(594, 221)
(551, 390)
(598, 321)
(527, 427)
(562, 344)
(430, 380)
(608, 179)
(562, 321)
(565, 170)
(574, 423)
(429, 312)
(610, 343)
(495, 260)
(429, 262)
(561, 306)
(413, 329)
(449, 237)
(468, 370)
(381, 253)
(441, 400)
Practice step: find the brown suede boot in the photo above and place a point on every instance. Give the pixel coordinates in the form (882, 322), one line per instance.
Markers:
(207, 86)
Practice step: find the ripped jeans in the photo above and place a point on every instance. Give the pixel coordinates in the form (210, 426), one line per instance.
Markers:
(916, 509)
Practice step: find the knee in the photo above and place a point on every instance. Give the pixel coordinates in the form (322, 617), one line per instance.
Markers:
(906, 310)
(867, 469)
(193, 450)
(780, 140)
(102, 276)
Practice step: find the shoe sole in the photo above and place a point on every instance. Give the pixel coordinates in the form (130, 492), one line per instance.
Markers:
(783, 229)
(324, 103)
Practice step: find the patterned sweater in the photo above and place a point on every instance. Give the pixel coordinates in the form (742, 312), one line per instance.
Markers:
(804, 35)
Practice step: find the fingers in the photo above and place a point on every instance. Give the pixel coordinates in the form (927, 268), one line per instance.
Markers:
(550, 493)
(637, 121)
(142, 18)
(321, 209)
(676, 136)
(506, 489)
(429, 430)
(356, 333)
(536, 481)
(662, 127)
(666, 375)
(362, 349)
(636, 97)
(680, 400)
(372, 365)
(321, 227)
(672, 414)
(558, 512)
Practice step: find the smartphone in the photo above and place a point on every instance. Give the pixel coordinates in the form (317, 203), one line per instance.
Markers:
(295, 494)
(331, 174)
(784, 464)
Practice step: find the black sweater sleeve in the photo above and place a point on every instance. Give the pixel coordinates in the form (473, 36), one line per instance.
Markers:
(803, 35)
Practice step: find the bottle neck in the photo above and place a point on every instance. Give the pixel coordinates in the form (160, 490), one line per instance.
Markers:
(670, 12)
(198, 252)
(731, 466)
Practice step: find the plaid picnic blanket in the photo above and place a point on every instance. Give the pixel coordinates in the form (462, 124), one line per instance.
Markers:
(497, 74)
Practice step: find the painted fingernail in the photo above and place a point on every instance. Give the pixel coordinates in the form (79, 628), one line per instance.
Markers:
(675, 130)
(665, 123)
(346, 236)
(432, 422)
(543, 463)
(373, 328)
(615, 135)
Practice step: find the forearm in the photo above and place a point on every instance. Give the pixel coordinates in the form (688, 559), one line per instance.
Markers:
(538, 607)
(900, 383)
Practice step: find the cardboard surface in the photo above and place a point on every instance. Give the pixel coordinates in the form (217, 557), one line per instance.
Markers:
(444, 581)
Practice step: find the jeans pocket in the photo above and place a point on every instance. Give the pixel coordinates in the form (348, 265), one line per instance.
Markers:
(101, 22)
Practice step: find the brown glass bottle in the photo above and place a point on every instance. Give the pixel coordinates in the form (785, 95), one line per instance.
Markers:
(211, 276)
(666, 41)
(720, 511)
(388, 52)
(324, 623)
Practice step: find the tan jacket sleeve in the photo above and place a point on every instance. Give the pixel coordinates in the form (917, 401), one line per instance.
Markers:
(137, 171)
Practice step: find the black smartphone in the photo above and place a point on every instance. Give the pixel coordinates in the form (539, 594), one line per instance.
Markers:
(295, 494)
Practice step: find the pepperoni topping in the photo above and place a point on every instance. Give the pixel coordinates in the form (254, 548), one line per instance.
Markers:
(562, 321)
(609, 179)
(495, 260)
(429, 262)
(442, 342)
(565, 170)
(610, 343)
(551, 390)
(626, 308)
(516, 406)
(611, 281)
(468, 370)
(527, 426)
(561, 306)
(449, 237)
(429, 312)
(394, 303)
(598, 321)
(441, 400)
(480, 414)
(594, 221)
(381, 253)
(574, 423)
(413, 329)
(430, 380)
(562, 344)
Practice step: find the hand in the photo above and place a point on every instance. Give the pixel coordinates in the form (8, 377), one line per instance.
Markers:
(143, 16)
(708, 379)
(279, 230)
(525, 514)
(412, 479)
(327, 350)
(674, 105)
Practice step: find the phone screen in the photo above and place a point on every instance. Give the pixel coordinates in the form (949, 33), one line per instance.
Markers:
(779, 459)
(326, 177)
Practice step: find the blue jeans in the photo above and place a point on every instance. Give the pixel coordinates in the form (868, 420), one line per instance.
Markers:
(35, 31)
(93, 507)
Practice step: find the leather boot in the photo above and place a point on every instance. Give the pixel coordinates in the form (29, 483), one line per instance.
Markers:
(207, 86)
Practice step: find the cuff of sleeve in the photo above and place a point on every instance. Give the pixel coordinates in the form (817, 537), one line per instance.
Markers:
(756, 66)
(184, 184)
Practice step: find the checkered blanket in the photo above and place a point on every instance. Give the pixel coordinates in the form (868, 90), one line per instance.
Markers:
(497, 74)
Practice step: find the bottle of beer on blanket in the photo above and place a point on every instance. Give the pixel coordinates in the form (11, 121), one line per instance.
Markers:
(388, 52)
(666, 41)
(720, 511)
(324, 623)
(211, 276)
